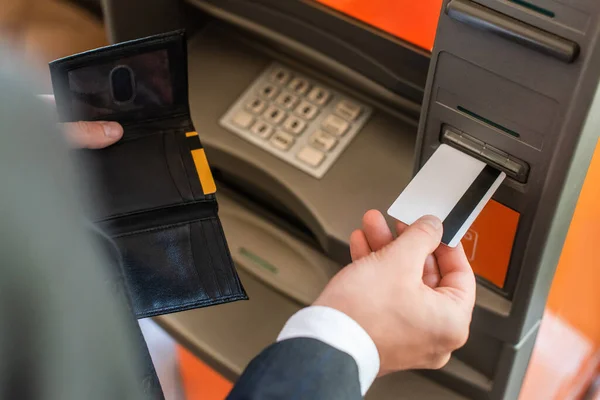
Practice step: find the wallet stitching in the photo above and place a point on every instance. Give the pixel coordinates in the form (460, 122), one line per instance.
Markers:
(163, 227)
(194, 304)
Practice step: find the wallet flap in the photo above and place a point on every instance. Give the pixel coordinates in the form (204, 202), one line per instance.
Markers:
(127, 82)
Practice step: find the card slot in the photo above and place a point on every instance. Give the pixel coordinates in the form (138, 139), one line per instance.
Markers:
(202, 250)
(189, 166)
(170, 268)
(175, 164)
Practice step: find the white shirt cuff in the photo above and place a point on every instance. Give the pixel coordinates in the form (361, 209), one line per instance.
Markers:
(338, 330)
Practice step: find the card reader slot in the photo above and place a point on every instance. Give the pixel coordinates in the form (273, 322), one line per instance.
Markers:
(484, 18)
(513, 167)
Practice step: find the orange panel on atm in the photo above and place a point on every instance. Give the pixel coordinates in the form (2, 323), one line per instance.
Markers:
(489, 242)
(415, 21)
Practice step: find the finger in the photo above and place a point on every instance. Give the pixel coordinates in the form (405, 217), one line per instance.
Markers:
(86, 134)
(457, 276)
(413, 246)
(431, 272)
(400, 227)
(359, 247)
(93, 135)
(376, 230)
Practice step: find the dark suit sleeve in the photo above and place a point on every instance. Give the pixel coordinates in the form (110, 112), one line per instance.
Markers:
(64, 334)
(299, 369)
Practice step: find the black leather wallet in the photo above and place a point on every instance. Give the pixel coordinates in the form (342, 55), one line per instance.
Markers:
(153, 191)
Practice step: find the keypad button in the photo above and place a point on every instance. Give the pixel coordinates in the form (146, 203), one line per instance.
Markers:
(294, 125)
(262, 129)
(268, 91)
(299, 86)
(310, 156)
(256, 106)
(319, 96)
(306, 110)
(274, 115)
(348, 110)
(282, 141)
(336, 125)
(287, 100)
(243, 119)
(280, 76)
(323, 141)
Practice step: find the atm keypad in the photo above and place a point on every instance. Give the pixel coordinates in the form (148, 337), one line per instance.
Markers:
(294, 125)
(306, 110)
(287, 100)
(262, 129)
(274, 115)
(297, 119)
(348, 110)
(268, 91)
(281, 76)
(323, 141)
(282, 140)
(318, 96)
(310, 156)
(256, 105)
(335, 125)
(299, 86)
(243, 119)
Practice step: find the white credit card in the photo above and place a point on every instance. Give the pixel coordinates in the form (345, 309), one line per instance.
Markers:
(454, 187)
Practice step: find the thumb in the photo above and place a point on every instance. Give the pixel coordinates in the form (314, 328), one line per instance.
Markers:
(416, 242)
(93, 135)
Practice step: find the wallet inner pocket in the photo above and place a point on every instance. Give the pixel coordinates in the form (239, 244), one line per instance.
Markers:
(141, 174)
(166, 216)
(178, 267)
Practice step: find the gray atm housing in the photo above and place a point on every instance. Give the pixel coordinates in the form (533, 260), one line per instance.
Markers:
(523, 82)
(498, 70)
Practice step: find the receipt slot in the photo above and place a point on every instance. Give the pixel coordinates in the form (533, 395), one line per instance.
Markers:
(514, 85)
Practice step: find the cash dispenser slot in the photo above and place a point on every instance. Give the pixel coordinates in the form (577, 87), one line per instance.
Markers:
(484, 18)
(513, 167)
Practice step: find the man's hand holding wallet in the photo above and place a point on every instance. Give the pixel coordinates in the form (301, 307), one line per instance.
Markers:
(153, 192)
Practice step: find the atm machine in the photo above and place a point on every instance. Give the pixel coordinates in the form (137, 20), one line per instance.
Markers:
(312, 112)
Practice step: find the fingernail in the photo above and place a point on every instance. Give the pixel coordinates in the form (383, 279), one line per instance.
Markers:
(112, 130)
(432, 221)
